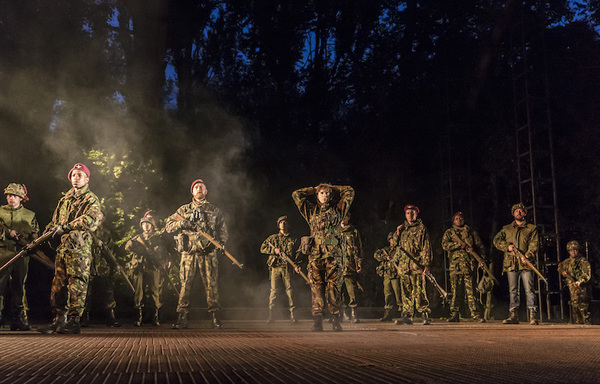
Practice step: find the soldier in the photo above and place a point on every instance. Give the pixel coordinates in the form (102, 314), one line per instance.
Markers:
(324, 215)
(102, 283)
(352, 259)
(148, 256)
(273, 246)
(197, 253)
(391, 280)
(77, 215)
(462, 265)
(412, 238)
(577, 272)
(521, 236)
(17, 222)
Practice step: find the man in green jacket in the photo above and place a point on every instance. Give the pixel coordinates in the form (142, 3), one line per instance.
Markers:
(577, 272)
(519, 235)
(391, 280)
(18, 223)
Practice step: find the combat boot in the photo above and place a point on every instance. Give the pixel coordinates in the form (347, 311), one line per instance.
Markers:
(59, 320)
(111, 320)
(478, 319)
(156, 318)
(405, 319)
(317, 324)
(353, 316)
(71, 327)
(344, 317)
(336, 326)
(84, 322)
(140, 318)
(293, 317)
(21, 322)
(533, 320)
(182, 321)
(216, 322)
(270, 319)
(387, 316)
(513, 317)
(425, 318)
(454, 318)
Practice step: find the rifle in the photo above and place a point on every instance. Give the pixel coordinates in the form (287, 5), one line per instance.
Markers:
(112, 259)
(472, 252)
(294, 265)
(29, 248)
(428, 275)
(528, 264)
(157, 264)
(37, 255)
(208, 237)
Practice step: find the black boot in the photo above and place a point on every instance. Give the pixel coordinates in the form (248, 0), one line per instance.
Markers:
(513, 317)
(533, 320)
(336, 326)
(216, 322)
(140, 318)
(84, 322)
(111, 320)
(59, 320)
(387, 316)
(293, 317)
(405, 319)
(270, 319)
(478, 319)
(156, 318)
(71, 327)
(354, 316)
(21, 322)
(454, 318)
(425, 318)
(317, 324)
(182, 321)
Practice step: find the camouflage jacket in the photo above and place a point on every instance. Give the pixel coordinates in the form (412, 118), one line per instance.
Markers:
(524, 237)
(386, 266)
(285, 243)
(324, 219)
(460, 261)
(207, 218)
(414, 239)
(148, 251)
(578, 269)
(80, 209)
(352, 250)
(22, 220)
(100, 266)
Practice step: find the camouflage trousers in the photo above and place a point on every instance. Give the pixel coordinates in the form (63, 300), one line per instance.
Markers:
(324, 275)
(147, 283)
(208, 267)
(392, 293)
(414, 295)
(462, 285)
(71, 274)
(12, 283)
(280, 274)
(580, 303)
(101, 292)
(350, 282)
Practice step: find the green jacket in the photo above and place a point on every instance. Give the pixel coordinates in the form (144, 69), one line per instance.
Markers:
(352, 250)
(459, 260)
(524, 237)
(23, 221)
(147, 249)
(286, 243)
(578, 269)
(386, 267)
(414, 239)
(80, 209)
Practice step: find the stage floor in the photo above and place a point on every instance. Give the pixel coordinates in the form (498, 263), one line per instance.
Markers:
(254, 352)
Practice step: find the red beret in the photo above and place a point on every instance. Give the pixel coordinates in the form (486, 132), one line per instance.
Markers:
(410, 206)
(80, 167)
(150, 212)
(194, 183)
(459, 213)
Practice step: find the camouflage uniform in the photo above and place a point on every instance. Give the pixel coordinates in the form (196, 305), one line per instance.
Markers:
(325, 253)
(197, 253)
(413, 238)
(12, 281)
(462, 266)
(391, 280)
(578, 270)
(80, 209)
(278, 267)
(102, 274)
(352, 259)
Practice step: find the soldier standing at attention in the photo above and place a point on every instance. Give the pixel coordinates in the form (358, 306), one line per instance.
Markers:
(273, 246)
(147, 249)
(462, 265)
(77, 215)
(18, 223)
(412, 238)
(521, 236)
(197, 253)
(352, 259)
(391, 280)
(324, 215)
(577, 272)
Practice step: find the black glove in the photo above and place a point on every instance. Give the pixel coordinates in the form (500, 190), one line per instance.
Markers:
(186, 224)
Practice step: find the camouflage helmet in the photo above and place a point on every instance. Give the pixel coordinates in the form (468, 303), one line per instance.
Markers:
(148, 218)
(281, 218)
(390, 236)
(518, 206)
(573, 244)
(17, 190)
